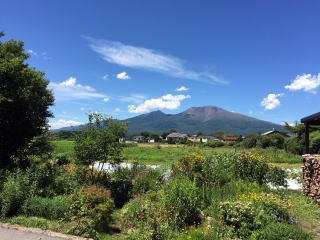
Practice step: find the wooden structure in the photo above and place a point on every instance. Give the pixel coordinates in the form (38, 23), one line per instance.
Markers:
(311, 176)
(313, 119)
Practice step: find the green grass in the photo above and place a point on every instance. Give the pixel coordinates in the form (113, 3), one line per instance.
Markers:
(166, 154)
(64, 147)
(306, 211)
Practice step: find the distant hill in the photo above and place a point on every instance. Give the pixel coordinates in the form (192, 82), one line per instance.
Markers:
(207, 120)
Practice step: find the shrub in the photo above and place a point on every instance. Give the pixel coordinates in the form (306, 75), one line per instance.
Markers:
(65, 183)
(146, 215)
(218, 170)
(281, 231)
(180, 201)
(191, 165)
(275, 206)
(146, 180)
(90, 211)
(243, 217)
(49, 208)
(251, 167)
(11, 197)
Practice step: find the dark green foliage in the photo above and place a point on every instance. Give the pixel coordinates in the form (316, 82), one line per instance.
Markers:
(181, 201)
(49, 208)
(251, 141)
(90, 211)
(24, 101)
(274, 140)
(214, 144)
(99, 141)
(20, 185)
(281, 231)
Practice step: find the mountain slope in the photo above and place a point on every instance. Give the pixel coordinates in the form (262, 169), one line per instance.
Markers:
(208, 120)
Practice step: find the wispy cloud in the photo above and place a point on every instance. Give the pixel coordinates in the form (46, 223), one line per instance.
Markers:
(105, 77)
(64, 123)
(271, 101)
(149, 59)
(70, 89)
(167, 101)
(133, 98)
(123, 76)
(181, 89)
(31, 52)
(305, 82)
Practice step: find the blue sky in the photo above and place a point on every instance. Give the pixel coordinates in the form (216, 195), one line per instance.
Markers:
(127, 57)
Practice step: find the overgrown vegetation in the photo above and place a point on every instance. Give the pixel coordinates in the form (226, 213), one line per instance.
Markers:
(193, 191)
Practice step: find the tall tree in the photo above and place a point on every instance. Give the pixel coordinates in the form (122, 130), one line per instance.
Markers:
(24, 100)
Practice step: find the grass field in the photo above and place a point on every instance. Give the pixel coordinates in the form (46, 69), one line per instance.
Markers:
(167, 154)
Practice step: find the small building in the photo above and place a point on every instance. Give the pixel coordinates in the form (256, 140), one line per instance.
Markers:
(138, 138)
(176, 137)
(308, 121)
(230, 139)
(273, 131)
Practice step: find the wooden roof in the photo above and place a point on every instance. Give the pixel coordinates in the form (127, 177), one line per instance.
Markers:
(313, 119)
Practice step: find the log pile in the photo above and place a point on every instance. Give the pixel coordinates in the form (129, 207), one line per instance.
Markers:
(311, 176)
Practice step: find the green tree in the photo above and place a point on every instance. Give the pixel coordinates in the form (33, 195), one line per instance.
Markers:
(99, 141)
(24, 101)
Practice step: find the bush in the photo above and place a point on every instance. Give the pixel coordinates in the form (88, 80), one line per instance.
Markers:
(146, 180)
(11, 197)
(251, 167)
(49, 208)
(181, 201)
(191, 165)
(146, 215)
(219, 170)
(90, 211)
(281, 231)
(243, 217)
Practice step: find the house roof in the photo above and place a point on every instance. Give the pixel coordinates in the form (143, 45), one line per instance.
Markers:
(273, 131)
(177, 135)
(313, 119)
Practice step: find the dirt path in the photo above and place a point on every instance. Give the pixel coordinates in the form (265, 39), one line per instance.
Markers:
(16, 232)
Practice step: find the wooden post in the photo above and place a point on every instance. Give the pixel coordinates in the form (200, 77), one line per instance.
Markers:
(306, 134)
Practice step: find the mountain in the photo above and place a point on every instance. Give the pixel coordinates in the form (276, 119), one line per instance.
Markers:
(208, 120)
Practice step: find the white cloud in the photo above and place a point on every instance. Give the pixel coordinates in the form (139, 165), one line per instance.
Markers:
(167, 101)
(33, 52)
(70, 89)
(271, 101)
(133, 98)
(182, 88)
(64, 123)
(106, 99)
(123, 76)
(117, 110)
(149, 59)
(305, 82)
(105, 77)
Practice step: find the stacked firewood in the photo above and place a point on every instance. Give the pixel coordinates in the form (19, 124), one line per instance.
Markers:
(311, 176)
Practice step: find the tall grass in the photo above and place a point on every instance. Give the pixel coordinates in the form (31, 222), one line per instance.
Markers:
(166, 155)
(63, 147)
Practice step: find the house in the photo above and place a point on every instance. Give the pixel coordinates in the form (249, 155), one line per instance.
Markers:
(202, 139)
(230, 139)
(273, 131)
(176, 137)
(138, 138)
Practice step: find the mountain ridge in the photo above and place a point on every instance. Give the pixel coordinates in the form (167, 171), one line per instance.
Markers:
(206, 119)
